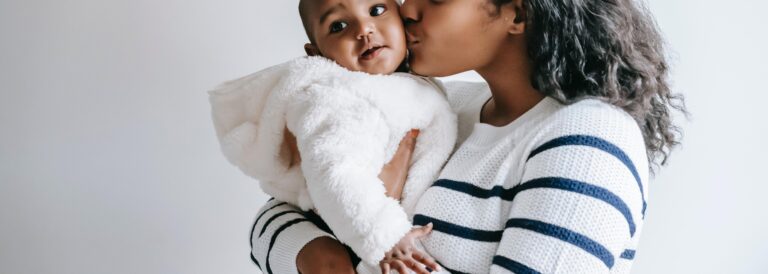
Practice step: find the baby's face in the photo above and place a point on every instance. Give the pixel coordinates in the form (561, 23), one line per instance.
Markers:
(360, 35)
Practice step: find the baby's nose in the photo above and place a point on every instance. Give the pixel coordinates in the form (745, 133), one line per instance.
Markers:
(366, 38)
(365, 32)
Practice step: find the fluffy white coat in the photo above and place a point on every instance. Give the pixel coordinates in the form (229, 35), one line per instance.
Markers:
(347, 126)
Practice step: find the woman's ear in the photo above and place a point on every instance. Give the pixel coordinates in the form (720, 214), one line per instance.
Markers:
(311, 50)
(515, 16)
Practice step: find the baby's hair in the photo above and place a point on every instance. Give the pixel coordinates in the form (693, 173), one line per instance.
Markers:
(304, 10)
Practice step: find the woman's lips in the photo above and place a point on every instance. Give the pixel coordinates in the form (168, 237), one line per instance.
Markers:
(412, 39)
(372, 53)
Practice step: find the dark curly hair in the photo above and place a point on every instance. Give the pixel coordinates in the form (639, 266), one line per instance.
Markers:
(610, 50)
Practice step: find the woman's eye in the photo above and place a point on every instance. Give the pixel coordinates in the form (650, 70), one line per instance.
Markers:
(378, 10)
(338, 26)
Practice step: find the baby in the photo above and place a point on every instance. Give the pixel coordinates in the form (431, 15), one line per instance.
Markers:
(348, 108)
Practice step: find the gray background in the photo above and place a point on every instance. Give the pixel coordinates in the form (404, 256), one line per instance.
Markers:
(109, 163)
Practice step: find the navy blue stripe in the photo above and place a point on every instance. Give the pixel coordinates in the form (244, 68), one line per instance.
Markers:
(457, 230)
(452, 271)
(514, 266)
(551, 182)
(274, 238)
(593, 191)
(591, 141)
(269, 221)
(315, 219)
(628, 254)
(566, 235)
(262, 215)
(473, 190)
(253, 228)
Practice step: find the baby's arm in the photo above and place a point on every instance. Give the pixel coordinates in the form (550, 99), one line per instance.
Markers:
(342, 142)
(393, 174)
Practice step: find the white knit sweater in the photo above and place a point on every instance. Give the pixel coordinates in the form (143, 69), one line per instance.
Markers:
(562, 189)
(348, 125)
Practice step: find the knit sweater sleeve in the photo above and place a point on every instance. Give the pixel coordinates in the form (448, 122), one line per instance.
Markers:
(278, 234)
(582, 196)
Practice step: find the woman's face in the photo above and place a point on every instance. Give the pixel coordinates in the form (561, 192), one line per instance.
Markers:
(447, 37)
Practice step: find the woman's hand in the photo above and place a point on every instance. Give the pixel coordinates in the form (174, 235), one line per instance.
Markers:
(324, 255)
(395, 172)
(406, 256)
(290, 141)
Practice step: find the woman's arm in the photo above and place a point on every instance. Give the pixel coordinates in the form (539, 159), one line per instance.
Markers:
(581, 201)
(279, 234)
(324, 255)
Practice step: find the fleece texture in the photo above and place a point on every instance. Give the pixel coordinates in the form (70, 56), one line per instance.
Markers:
(348, 125)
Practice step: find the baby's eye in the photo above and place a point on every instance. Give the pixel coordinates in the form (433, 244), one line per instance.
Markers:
(378, 10)
(338, 26)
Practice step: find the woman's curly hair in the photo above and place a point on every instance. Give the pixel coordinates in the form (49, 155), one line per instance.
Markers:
(609, 50)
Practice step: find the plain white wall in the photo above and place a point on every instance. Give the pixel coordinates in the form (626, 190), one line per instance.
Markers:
(109, 163)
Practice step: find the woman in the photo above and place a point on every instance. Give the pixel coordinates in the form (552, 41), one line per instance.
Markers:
(551, 171)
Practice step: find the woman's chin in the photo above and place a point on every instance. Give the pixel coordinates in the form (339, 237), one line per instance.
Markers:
(419, 68)
(431, 69)
(428, 71)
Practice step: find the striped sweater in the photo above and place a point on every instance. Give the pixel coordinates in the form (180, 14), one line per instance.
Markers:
(562, 189)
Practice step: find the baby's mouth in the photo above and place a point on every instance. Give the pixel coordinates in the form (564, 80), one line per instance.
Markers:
(371, 53)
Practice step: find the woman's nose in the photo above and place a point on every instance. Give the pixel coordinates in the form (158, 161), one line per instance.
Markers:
(410, 12)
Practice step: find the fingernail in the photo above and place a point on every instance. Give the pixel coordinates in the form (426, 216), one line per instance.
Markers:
(415, 133)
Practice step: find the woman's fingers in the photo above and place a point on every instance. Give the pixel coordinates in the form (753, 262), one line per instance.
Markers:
(293, 148)
(403, 154)
(410, 140)
(394, 173)
(407, 145)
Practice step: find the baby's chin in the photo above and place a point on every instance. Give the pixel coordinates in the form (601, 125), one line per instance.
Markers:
(385, 62)
(379, 69)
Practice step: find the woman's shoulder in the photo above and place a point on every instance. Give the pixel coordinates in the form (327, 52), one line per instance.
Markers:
(590, 131)
(593, 116)
(597, 121)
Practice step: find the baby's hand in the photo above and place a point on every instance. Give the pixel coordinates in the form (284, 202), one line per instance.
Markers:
(406, 256)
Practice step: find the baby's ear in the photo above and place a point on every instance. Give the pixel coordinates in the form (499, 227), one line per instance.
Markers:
(311, 50)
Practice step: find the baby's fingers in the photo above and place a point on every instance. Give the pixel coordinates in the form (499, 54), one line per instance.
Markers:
(400, 266)
(424, 259)
(416, 266)
(424, 230)
(384, 267)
